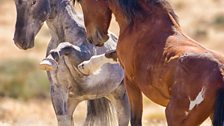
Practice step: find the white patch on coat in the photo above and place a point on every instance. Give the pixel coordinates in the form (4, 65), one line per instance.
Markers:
(198, 100)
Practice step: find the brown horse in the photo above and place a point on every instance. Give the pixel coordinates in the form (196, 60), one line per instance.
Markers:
(160, 61)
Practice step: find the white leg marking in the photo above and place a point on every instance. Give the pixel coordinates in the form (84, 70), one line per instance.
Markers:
(198, 100)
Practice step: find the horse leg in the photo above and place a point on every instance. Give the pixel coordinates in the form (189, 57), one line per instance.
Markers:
(135, 100)
(63, 105)
(189, 108)
(67, 119)
(119, 99)
(64, 49)
(194, 93)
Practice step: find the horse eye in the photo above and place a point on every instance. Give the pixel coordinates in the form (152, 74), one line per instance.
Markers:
(34, 2)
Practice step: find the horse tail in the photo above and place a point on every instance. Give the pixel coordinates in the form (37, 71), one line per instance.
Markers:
(100, 112)
(218, 119)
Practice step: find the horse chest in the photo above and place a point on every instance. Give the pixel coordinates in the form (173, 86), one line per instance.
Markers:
(126, 56)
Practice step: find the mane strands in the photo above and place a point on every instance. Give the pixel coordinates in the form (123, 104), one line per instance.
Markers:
(132, 7)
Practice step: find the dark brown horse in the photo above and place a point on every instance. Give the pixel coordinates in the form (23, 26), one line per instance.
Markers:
(160, 60)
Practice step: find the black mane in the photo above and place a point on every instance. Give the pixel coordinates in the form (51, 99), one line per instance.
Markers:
(132, 7)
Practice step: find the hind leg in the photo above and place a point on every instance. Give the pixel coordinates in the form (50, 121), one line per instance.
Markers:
(184, 111)
(119, 99)
(193, 94)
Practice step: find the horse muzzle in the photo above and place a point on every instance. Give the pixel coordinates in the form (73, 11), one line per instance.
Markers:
(23, 45)
(99, 40)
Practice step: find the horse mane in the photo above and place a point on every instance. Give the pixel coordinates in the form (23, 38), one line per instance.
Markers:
(132, 7)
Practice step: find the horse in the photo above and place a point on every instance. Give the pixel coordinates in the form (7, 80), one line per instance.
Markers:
(104, 90)
(160, 61)
(94, 64)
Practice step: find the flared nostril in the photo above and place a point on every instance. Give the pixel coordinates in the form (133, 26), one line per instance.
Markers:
(82, 66)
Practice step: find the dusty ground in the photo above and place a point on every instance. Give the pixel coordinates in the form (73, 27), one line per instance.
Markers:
(196, 19)
(40, 113)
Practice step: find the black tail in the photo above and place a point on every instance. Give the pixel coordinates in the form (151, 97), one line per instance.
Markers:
(100, 113)
(218, 119)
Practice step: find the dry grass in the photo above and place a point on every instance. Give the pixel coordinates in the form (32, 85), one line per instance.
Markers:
(38, 112)
(203, 21)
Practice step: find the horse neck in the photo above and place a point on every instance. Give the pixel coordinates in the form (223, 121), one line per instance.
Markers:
(64, 23)
(154, 18)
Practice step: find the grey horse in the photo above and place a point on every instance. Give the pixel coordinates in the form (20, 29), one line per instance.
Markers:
(104, 90)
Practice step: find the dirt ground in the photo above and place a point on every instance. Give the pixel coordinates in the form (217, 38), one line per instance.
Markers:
(197, 20)
(40, 113)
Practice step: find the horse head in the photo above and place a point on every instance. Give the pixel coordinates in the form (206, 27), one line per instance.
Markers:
(97, 17)
(30, 17)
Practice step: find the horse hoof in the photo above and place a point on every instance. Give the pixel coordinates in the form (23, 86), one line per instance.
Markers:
(48, 65)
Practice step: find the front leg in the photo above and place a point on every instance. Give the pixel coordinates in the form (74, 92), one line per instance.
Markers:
(63, 105)
(96, 62)
(64, 49)
(135, 100)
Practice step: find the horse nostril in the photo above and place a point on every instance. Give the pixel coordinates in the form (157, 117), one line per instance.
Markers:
(82, 66)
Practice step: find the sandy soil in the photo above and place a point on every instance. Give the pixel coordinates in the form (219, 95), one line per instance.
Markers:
(40, 113)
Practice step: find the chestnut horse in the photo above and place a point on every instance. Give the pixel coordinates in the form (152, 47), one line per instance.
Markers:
(160, 61)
